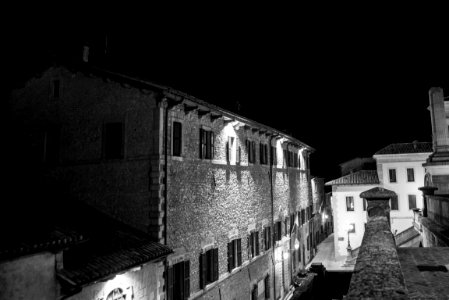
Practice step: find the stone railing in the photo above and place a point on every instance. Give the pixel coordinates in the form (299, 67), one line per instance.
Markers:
(438, 209)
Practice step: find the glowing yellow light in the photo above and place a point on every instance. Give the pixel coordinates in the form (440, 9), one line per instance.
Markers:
(286, 255)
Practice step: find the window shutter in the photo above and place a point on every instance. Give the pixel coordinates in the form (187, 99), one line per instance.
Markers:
(203, 270)
(230, 257)
(212, 145)
(186, 279)
(275, 232)
(215, 263)
(239, 252)
(256, 237)
(254, 293)
(249, 246)
(253, 146)
(267, 287)
(227, 152)
(201, 142)
(170, 283)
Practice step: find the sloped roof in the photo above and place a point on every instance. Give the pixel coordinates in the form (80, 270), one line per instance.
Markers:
(357, 178)
(404, 148)
(378, 192)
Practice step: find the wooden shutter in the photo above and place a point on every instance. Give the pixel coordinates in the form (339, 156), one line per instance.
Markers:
(267, 287)
(208, 144)
(170, 283)
(248, 244)
(256, 240)
(202, 152)
(203, 270)
(177, 136)
(215, 263)
(212, 145)
(230, 256)
(254, 151)
(186, 279)
(275, 232)
(228, 157)
(254, 293)
(239, 252)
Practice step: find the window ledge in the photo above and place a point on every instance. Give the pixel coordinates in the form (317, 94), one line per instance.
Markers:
(178, 158)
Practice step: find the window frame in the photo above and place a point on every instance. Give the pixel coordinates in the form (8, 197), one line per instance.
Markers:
(412, 174)
(348, 208)
(209, 267)
(414, 199)
(181, 140)
(235, 258)
(395, 175)
(396, 201)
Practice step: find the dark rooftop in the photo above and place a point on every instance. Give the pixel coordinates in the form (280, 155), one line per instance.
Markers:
(378, 192)
(425, 272)
(357, 178)
(404, 148)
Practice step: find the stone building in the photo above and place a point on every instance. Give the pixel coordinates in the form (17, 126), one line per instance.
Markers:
(232, 197)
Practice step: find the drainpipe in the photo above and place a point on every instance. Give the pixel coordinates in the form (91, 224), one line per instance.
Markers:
(165, 106)
(272, 216)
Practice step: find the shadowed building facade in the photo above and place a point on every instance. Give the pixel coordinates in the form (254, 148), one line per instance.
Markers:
(232, 197)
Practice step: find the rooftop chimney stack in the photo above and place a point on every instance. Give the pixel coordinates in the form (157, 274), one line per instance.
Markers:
(440, 136)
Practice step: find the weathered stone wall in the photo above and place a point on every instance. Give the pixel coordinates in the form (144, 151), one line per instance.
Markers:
(29, 277)
(377, 273)
(119, 187)
(140, 284)
(207, 199)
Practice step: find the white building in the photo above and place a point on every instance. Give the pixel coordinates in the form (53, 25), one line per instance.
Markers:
(349, 210)
(399, 167)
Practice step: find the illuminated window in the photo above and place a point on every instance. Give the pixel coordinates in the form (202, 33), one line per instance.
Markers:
(350, 203)
(392, 175)
(394, 203)
(267, 237)
(230, 150)
(177, 139)
(234, 254)
(207, 144)
(411, 201)
(113, 140)
(253, 244)
(410, 175)
(178, 281)
(208, 267)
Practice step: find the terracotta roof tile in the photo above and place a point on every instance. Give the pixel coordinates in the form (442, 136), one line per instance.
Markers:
(403, 148)
(357, 178)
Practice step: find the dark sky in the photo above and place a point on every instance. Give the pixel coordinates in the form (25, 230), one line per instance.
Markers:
(345, 88)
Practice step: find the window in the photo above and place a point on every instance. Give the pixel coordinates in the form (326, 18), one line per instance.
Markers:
(292, 222)
(113, 140)
(350, 203)
(273, 157)
(263, 153)
(230, 150)
(207, 142)
(251, 151)
(286, 226)
(177, 139)
(392, 174)
(394, 203)
(238, 155)
(254, 293)
(178, 281)
(266, 283)
(278, 231)
(295, 160)
(410, 175)
(267, 237)
(303, 216)
(253, 244)
(208, 267)
(411, 201)
(234, 254)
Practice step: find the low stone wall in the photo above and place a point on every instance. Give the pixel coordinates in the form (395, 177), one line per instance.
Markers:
(377, 273)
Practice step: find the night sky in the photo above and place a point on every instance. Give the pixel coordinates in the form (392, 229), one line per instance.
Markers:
(346, 89)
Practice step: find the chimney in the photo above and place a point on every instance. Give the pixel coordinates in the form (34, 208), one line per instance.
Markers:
(439, 127)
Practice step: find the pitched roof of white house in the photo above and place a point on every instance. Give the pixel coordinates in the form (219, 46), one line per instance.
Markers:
(404, 148)
(357, 178)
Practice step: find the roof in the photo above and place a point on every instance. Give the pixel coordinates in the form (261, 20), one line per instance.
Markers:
(405, 148)
(357, 178)
(378, 193)
(113, 247)
(50, 239)
(425, 271)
